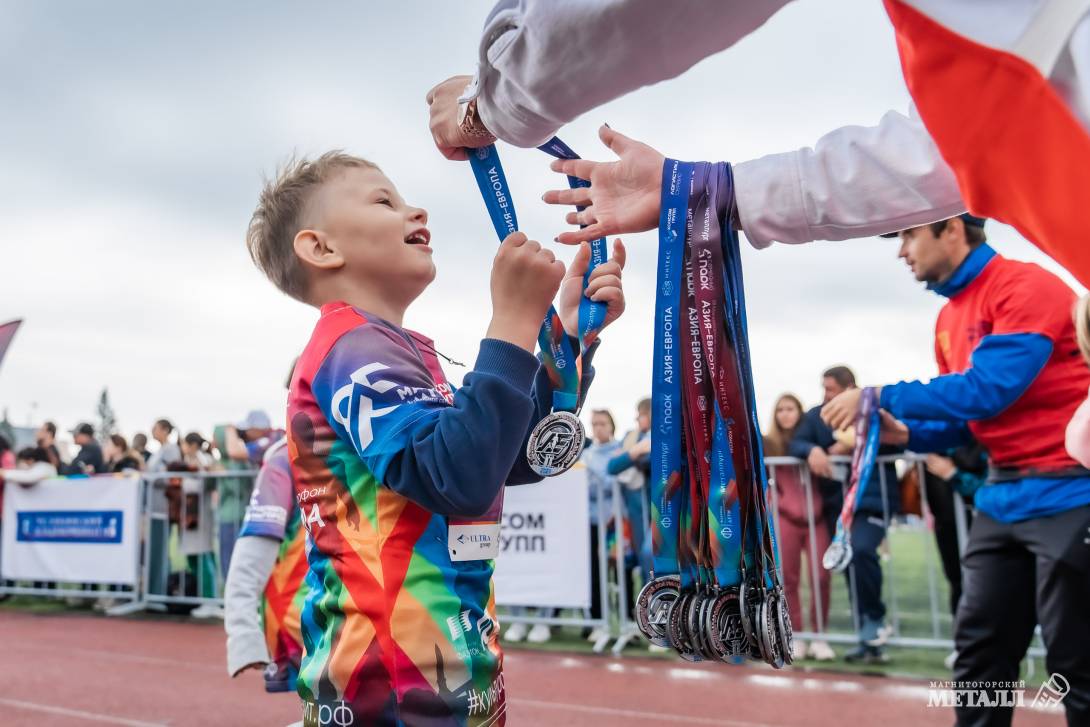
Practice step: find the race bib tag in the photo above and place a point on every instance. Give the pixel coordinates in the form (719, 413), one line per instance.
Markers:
(473, 540)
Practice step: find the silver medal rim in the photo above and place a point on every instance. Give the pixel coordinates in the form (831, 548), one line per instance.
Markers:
(650, 597)
(568, 462)
(717, 617)
(845, 560)
(678, 627)
(786, 628)
(833, 557)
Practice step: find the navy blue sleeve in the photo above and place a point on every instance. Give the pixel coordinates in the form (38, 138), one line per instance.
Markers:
(936, 435)
(806, 437)
(450, 453)
(620, 463)
(1001, 368)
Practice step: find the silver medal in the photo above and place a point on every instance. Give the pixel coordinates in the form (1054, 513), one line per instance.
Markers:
(787, 638)
(653, 608)
(837, 556)
(555, 444)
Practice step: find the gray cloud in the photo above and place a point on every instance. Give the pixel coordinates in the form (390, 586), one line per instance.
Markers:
(135, 136)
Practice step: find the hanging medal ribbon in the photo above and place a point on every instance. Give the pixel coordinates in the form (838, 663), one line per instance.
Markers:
(665, 490)
(867, 431)
(715, 592)
(557, 440)
(763, 606)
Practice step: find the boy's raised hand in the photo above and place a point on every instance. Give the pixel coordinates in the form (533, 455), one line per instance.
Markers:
(604, 286)
(525, 278)
(624, 196)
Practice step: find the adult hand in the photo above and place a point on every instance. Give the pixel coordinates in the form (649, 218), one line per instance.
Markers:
(446, 128)
(623, 197)
(842, 409)
(819, 464)
(603, 286)
(641, 448)
(893, 430)
(260, 665)
(840, 448)
(942, 467)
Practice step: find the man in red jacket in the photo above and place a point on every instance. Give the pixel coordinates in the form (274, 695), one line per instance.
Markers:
(1011, 374)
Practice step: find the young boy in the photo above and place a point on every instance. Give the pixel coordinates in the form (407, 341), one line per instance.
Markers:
(265, 591)
(399, 476)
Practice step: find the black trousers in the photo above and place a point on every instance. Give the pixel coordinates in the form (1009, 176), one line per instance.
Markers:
(865, 572)
(1015, 576)
(595, 576)
(940, 500)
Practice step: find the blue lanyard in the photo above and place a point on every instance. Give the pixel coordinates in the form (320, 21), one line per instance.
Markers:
(560, 359)
(591, 314)
(666, 476)
(724, 508)
(764, 540)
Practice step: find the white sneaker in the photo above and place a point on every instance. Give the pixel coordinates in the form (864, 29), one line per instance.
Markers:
(515, 632)
(656, 649)
(105, 604)
(597, 633)
(948, 662)
(821, 651)
(207, 610)
(539, 634)
(798, 650)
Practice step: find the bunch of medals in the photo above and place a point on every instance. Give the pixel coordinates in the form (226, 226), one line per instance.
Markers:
(714, 591)
(838, 556)
(557, 440)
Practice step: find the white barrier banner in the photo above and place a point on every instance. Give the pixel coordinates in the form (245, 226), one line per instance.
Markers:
(544, 557)
(82, 530)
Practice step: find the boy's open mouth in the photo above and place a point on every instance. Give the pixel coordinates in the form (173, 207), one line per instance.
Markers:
(419, 237)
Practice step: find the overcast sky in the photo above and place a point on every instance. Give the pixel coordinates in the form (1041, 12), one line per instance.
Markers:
(135, 136)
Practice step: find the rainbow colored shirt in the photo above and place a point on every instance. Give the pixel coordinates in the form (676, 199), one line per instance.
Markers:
(272, 513)
(392, 468)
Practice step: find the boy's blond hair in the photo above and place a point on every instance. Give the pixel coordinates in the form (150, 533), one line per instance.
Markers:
(270, 238)
(1082, 325)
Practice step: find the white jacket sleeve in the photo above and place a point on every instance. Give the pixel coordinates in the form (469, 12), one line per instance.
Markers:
(856, 182)
(31, 475)
(252, 563)
(544, 62)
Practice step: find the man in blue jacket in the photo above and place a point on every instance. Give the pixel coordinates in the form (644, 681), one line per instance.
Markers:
(1011, 374)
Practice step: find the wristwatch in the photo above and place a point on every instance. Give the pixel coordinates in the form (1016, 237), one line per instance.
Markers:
(470, 122)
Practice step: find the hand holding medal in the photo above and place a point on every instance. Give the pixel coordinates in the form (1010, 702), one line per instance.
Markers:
(838, 556)
(591, 298)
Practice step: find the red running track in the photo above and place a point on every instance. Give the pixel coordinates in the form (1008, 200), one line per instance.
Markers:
(76, 671)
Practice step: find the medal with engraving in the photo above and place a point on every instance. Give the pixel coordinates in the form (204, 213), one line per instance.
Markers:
(557, 440)
(555, 443)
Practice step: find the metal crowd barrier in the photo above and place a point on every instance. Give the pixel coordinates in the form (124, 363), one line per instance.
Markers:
(912, 626)
(914, 588)
(550, 617)
(186, 542)
(185, 549)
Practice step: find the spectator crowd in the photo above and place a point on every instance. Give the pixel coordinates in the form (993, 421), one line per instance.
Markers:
(195, 518)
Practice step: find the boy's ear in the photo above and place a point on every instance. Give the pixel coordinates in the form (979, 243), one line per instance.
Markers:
(313, 248)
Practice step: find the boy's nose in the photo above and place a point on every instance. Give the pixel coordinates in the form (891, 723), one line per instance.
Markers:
(419, 214)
